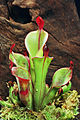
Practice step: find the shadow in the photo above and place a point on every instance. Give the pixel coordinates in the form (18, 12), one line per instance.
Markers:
(77, 2)
(20, 15)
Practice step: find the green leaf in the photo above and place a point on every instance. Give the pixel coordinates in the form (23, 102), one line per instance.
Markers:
(6, 104)
(32, 42)
(19, 60)
(48, 98)
(20, 72)
(32, 72)
(61, 77)
(41, 68)
(24, 85)
(14, 98)
(66, 88)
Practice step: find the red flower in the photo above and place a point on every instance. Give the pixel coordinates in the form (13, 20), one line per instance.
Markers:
(40, 22)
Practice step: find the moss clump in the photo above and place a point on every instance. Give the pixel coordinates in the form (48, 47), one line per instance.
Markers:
(49, 113)
(64, 107)
(58, 113)
(17, 113)
(69, 100)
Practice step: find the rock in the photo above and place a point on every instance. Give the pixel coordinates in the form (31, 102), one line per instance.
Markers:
(25, 3)
(3, 9)
(10, 32)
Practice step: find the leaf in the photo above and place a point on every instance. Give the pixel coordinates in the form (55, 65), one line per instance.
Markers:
(48, 98)
(32, 72)
(20, 72)
(6, 104)
(61, 77)
(24, 85)
(41, 68)
(19, 60)
(32, 42)
(66, 88)
(14, 98)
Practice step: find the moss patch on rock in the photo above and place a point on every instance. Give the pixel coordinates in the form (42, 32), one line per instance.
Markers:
(64, 107)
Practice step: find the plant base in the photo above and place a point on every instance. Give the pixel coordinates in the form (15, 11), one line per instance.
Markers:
(64, 107)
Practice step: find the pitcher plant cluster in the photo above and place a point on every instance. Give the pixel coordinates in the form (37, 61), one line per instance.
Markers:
(30, 71)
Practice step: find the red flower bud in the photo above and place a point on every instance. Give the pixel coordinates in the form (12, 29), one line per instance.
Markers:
(40, 22)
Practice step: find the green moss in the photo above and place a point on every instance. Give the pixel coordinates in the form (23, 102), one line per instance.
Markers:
(18, 113)
(58, 113)
(65, 108)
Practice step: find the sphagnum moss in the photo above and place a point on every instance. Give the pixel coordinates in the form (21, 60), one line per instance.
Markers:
(58, 110)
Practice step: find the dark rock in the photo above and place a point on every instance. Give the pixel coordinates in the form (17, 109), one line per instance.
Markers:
(3, 9)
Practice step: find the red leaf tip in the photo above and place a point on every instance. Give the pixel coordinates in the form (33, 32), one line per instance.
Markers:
(1, 98)
(12, 48)
(46, 50)
(71, 64)
(40, 22)
(11, 65)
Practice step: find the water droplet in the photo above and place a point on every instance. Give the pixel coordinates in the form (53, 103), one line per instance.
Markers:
(36, 90)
